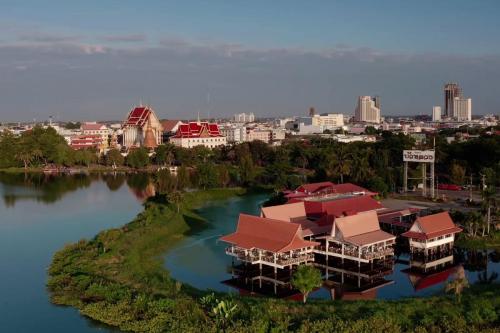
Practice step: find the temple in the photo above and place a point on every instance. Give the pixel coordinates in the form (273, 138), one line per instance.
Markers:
(142, 128)
(198, 134)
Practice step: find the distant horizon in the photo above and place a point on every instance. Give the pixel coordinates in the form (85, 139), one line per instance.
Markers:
(93, 60)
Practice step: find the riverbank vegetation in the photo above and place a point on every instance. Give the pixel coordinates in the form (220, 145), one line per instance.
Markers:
(118, 278)
(377, 166)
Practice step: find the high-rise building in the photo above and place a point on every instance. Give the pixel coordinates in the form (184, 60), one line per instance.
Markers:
(436, 113)
(368, 109)
(451, 90)
(244, 118)
(462, 109)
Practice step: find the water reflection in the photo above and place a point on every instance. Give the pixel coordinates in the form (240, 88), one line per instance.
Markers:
(50, 188)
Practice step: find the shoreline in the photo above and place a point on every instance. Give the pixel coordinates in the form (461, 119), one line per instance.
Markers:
(118, 278)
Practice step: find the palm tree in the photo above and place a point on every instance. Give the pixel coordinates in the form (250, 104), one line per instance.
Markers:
(361, 169)
(489, 201)
(340, 162)
(305, 279)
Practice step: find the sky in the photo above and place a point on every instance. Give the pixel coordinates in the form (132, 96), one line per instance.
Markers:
(95, 59)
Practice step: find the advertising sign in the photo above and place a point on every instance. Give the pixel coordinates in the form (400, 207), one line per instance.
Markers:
(426, 156)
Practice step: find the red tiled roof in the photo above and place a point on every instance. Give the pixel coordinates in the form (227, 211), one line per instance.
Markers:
(138, 116)
(342, 207)
(432, 226)
(197, 130)
(314, 187)
(266, 234)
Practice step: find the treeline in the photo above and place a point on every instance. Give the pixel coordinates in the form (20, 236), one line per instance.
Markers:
(378, 165)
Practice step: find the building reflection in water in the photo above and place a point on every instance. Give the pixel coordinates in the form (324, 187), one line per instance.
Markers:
(342, 281)
(426, 272)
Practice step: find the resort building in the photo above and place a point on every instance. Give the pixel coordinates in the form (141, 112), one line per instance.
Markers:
(432, 235)
(142, 128)
(268, 242)
(327, 189)
(398, 221)
(198, 134)
(357, 238)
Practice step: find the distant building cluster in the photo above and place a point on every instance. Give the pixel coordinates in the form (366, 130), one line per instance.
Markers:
(143, 127)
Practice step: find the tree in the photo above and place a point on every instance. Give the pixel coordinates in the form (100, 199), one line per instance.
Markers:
(246, 169)
(206, 175)
(457, 173)
(458, 284)
(340, 162)
(138, 158)
(306, 279)
(164, 154)
(223, 174)
(175, 198)
(114, 158)
(183, 179)
(377, 184)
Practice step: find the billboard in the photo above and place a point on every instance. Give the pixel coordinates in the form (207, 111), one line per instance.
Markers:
(418, 156)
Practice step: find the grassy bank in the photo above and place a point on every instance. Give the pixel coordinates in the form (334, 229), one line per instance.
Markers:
(491, 241)
(118, 278)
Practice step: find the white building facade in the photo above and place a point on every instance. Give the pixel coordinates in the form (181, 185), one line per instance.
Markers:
(462, 109)
(368, 110)
(436, 113)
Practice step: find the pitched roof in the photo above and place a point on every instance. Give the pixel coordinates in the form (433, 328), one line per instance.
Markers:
(314, 187)
(287, 212)
(197, 130)
(431, 226)
(361, 229)
(266, 234)
(342, 206)
(170, 124)
(92, 126)
(138, 116)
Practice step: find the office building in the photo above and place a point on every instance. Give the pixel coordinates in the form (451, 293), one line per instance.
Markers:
(462, 109)
(436, 113)
(368, 109)
(451, 90)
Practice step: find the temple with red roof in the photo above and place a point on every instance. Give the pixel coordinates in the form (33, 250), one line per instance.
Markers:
(195, 134)
(432, 234)
(142, 128)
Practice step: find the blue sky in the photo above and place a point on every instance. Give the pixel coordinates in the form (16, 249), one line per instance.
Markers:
(94, 59)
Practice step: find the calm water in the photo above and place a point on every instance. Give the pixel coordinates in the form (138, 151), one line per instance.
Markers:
(200, 261)
(41, 214)
(37, 217)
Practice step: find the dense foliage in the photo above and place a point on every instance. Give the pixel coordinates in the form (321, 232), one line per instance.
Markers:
(118, 278)
(377, 166)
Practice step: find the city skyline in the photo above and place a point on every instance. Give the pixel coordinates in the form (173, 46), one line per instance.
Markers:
(247, 58)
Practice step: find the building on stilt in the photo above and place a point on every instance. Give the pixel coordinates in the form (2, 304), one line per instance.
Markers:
(432, 236)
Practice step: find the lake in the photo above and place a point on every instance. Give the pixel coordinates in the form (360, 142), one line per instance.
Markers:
(40, 214)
